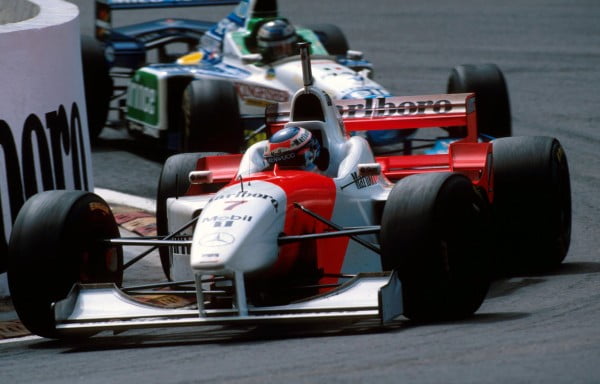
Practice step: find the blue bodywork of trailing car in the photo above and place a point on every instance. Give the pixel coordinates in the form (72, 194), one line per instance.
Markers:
(127, 46)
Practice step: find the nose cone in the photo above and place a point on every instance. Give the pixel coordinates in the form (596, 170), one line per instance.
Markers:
(238, 229)
(341, 82)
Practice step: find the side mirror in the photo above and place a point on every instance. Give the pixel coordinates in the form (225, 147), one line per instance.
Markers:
(369, 169)
(201, 177)
(354, 55)
(251, 58)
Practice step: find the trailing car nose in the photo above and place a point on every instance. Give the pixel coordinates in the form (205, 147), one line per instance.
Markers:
(238, 229)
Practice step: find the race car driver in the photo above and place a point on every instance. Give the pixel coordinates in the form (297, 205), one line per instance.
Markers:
(293, 148)
(276, 39)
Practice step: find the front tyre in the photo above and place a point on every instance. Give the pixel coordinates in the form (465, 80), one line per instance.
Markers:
(56, 241)
(173, 182)
(211, 117)
(332, 38)
(432, 231)
(98, 84)
(532, 203)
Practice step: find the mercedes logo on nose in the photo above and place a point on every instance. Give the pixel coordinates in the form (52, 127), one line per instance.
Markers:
(217, 239)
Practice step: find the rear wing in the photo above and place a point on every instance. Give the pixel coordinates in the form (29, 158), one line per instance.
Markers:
(104, 9)
(467, 155)
(398, 112)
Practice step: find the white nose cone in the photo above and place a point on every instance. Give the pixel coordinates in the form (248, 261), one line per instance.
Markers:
(238, 229)
(337, 80)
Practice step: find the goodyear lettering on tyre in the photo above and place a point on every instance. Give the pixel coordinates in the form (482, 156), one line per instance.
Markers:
(142, 96)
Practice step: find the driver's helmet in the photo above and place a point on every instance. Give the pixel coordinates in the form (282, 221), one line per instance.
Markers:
(293, 147)
(276, 39)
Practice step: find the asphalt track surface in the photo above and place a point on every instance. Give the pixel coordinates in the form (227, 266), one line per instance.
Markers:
(533, 328)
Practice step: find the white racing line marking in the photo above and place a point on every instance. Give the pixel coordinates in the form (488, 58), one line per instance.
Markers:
(19, 339)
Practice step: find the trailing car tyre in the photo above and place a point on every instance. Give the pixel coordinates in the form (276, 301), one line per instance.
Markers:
(173, 182)
(211, 117)
(432, 232)
(491, 92)
(55, 243)
(332, 38)
(532, 203)
(98, 84)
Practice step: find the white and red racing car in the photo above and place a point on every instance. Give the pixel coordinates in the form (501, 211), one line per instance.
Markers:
(361, 237)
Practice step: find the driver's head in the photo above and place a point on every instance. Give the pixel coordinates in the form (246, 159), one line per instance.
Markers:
(293, 147)
(276, 39)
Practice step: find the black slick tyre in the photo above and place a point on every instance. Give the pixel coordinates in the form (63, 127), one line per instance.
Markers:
(432, 229)
(210, 117)
(332, 38)
(532, 203)
(173, 182)
(56, 242)
(98, 84)
(492, 100)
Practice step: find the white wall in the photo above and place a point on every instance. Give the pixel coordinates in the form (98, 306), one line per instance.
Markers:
(43, 119)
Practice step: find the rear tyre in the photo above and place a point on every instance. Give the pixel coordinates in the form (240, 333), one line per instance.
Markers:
(332, 38)
(211, 117)
(532, 203)
(55, 243)
(173, 182)
(432, 229)
(97, 83)
(491, 92)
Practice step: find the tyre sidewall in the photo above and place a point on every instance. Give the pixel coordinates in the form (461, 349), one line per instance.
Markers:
(332, 38)
(173, 182)
(432, 235)
(54, 244)
(532, 203)
(491, 93)
(98, 84)
(211, 118)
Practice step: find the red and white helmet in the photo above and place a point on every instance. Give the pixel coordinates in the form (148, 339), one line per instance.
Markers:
(293, 147)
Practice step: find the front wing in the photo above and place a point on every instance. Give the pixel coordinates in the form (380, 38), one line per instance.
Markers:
(100, 307)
